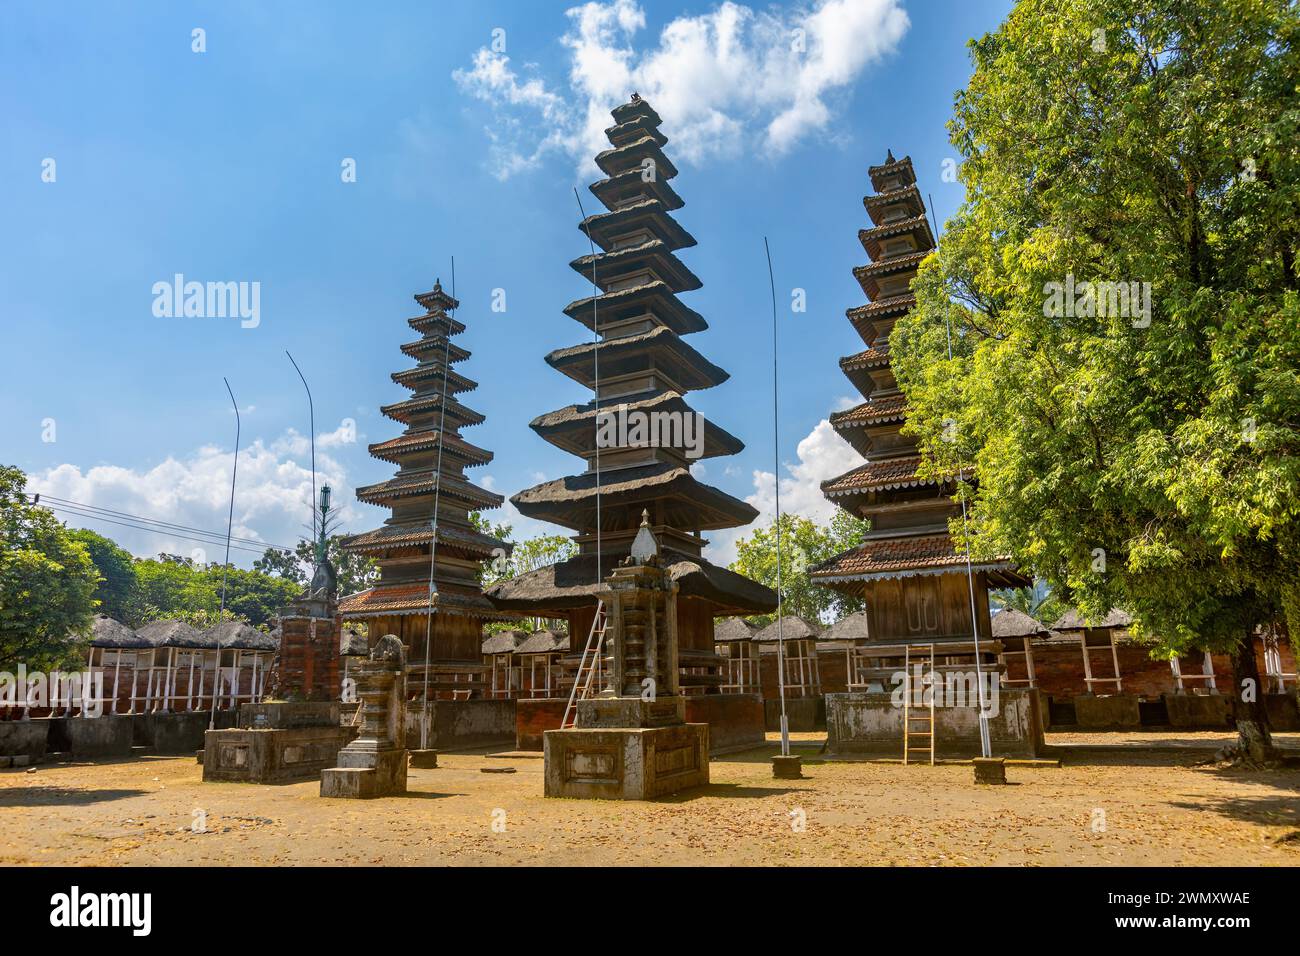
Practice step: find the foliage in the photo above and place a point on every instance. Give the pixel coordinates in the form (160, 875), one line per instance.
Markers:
(116, 592)
(355, 572)
(47, 583)
(1149, 465)
(803, 544)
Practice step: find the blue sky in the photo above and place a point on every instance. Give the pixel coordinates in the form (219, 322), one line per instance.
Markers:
(224, 165)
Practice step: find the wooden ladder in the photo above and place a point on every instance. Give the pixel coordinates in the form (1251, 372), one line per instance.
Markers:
(924, 719)
(591, 663)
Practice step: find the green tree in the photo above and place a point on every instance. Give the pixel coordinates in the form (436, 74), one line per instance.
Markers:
(804, 543)
(355, 572)
(47, 583)
(1145, 457)
(116, 594)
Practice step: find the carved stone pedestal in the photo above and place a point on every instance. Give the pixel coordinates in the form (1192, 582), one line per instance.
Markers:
(625, 763)
(374, 765)
(277, 742)
(632, 742)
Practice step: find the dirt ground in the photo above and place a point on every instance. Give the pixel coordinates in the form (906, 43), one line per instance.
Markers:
(1115, 799)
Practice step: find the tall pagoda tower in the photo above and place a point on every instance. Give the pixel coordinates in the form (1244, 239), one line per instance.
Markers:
(914, 581)
(640, 370)
(428, 492)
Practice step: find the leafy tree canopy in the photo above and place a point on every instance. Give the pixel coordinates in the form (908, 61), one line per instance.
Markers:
(47, 583)
(803, 543)
(1149, 456)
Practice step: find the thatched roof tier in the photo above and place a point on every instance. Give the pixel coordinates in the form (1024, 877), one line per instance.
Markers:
(399, 599)
(457, 415)
(239, 635)
(790, 627)
(637, 127)
(1009, 623)
(431, 374)
(870, 276)
(1073, 620)
(900, 557)
(419, 442)
(108, 633)
(572, 584)
(682, 500)
(854, 628)
(236, 635)
(628, 186)
(636, 109)
(917, 227)
(466, 541)
(648, 214)
(874, 320)
(660, 351)
(545, 641)
(573, 428)
(426, 482)
(732, 629)
(502, 642)
(652, 255)
(171, 633)
(653, 299)
(909, 196)
(631, 156)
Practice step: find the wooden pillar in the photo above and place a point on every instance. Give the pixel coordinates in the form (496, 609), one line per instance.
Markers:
(1114, 656)
(1207, 668)
(1029, 663)
(1087, 664)
(1177, 669)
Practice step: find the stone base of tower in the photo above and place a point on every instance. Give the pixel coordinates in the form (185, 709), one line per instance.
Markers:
(864, 723)
(735, 721)
(626, 763)
(366, 772)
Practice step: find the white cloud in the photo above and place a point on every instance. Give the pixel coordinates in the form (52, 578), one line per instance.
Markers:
(822, 455)
(272, 496)
(726, 82)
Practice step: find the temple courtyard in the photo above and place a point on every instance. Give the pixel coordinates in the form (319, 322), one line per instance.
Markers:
(1114, 799)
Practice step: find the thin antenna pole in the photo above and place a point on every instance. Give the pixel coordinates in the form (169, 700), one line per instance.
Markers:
(230, 524)
(986, 745)
(433, 540)
(595, 351)
(776, 484)
(311, 410)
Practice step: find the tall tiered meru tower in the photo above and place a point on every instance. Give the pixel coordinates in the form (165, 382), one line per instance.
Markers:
(914, 581)
(431, 457)
(639, 436)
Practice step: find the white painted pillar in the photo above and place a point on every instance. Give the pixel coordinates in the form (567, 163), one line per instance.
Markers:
(1177, 669)
(1207, 668)
(1114, 656)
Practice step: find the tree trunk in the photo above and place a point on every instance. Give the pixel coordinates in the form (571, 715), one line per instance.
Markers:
(1254, 741)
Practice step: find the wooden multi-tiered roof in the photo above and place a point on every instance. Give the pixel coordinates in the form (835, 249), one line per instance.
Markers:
(432, 458)
(642, 365)
(908, 569)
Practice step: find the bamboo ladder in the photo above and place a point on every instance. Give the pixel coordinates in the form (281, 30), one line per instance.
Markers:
(926, 718)
(591, 662)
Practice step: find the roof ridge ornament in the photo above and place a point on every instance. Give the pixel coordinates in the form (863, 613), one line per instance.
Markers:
(645, 548)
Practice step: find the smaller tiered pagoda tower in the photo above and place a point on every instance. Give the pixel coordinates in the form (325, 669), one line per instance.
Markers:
(431, 457)
(913, 579)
